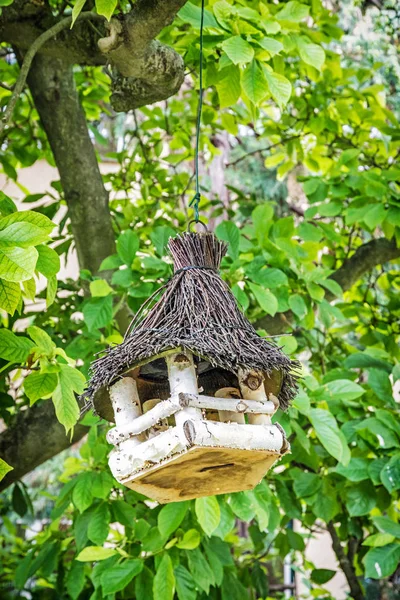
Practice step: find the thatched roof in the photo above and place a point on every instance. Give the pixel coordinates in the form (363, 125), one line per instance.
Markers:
(198, 312)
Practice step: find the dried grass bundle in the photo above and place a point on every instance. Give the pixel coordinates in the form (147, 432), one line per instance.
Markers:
(197, 312)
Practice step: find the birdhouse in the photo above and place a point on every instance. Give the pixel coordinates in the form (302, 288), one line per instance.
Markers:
(193, 387)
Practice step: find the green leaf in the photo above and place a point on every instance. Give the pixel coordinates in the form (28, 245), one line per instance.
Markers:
(190, 13)
(106, 8)
(7, 206)
(160, 236)
(14, 348)
(117, 577)
(271, 45)
(279, 86)
(382, 562)
(306, 484)
(322, 576)
(39, 385)
(379, 382)
(127, 246)
(293, 11)
(298, 305)
(228, 86)
(311, 54)
(82, 496)
(254, 83)
(98, 312)
(379, 539)
(344, 389)
(190, 540)
(238, 50)
(97, 531)
(103, 483)
(360, 499)
(229, 232)
(144, 585)
(208, 513)
(243, 506)
(51, 290)
(70, 381)
(185, 585)
(29, 288)
(328, 434)
(171, 516)
(18, 264)
(362, 360)
(41, 339)
(200, 570)
(386, 525)
(28, 216)
(265, 299)
(164, 580)
(123, 513)
(270, 278)
(48, 262)
(22, 235)
(99, 288)
(261, 217)
(111, 262)
(75, 580)
(77, 9)
(385, 437)
(95, 553)
(10, 294)
(356, 470)
(375, 216)
(4, 468)
(390, 474)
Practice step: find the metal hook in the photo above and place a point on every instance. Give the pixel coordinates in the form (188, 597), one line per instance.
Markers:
(198, 222)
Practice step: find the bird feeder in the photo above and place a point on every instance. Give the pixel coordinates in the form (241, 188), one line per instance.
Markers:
(193, 387)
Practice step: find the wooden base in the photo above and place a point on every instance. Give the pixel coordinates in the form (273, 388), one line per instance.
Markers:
(202, 471)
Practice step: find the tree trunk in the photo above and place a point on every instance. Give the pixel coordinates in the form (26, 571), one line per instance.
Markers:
(56, 99)
(345, 564)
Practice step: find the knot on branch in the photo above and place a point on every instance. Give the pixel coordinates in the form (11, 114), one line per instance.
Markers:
(159, 75)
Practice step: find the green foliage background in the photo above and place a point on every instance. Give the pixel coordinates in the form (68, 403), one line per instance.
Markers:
(279, 83)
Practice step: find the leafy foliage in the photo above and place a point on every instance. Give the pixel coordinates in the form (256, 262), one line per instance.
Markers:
(278, 80)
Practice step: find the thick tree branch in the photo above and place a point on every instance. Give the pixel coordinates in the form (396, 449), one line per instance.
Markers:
(52, 84)
(366, 257)
(147, 70)
(345, 564)
(28, 58)
(144, 70)
(33, 438)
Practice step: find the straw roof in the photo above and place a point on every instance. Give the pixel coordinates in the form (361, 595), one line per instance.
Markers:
(197, 312)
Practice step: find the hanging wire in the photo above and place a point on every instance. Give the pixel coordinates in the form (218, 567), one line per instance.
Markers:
(196, 198)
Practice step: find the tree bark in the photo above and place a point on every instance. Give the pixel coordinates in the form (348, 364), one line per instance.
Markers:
(56, 99)
(35, 436)
(345, 564)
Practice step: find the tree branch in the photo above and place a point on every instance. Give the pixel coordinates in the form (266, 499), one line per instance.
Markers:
(148, 70)
(144, 70)
(345, 564)
(366, 257)
(34, 437)
(28, 58)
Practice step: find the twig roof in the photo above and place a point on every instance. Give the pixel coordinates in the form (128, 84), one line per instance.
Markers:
(198, 312)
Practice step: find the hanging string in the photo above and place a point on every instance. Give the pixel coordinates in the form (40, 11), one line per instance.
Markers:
(196, 198)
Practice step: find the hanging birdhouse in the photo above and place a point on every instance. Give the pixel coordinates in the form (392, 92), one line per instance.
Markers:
(193, 387)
